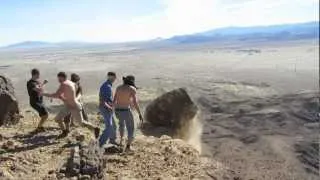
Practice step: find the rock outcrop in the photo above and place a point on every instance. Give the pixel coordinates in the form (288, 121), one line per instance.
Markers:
(9, 109)
(174, 110)
(85, 162)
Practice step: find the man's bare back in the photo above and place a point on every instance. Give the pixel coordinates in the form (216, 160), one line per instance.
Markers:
(124, 96)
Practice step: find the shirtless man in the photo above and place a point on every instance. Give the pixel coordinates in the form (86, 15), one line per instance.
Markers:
(67, 93)
(34, 87)
(125, 96)
(75, 78)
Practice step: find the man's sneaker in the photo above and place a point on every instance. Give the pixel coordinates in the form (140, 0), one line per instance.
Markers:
(121, 142)
(39, 130)
(113, 142)
(96, 132)
(63, 134)
(129, 149)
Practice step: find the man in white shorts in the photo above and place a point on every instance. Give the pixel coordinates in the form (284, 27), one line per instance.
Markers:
(67, 93)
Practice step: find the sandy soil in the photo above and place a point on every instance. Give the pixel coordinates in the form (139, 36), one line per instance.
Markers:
(41, 156)
(258, 100)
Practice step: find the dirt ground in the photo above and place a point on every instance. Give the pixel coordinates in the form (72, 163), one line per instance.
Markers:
(258, 100)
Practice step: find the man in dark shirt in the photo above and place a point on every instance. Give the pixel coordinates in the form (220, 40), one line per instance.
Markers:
(36, 100)
(106, 109)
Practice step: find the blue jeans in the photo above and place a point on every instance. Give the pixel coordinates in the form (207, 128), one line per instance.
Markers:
(110, 129)
(125, 118)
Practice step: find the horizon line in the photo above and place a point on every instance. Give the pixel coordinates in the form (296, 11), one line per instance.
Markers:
(142, 40)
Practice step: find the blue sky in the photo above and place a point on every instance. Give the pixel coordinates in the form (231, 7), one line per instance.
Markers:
(130, 20)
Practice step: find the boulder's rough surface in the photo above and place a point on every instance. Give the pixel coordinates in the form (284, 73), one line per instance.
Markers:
(84, 161)
(174, 110)
(9, 109)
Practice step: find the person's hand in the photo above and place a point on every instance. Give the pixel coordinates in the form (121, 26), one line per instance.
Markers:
(40, 91)
(62, 98)
(141, 119)
(109, 107)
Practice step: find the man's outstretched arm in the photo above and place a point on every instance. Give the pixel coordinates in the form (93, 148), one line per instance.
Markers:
(135, 104)
(57, 94)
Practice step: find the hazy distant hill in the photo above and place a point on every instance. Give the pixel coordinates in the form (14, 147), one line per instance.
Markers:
(30, 44)
(293, 28)
(274, 32)
(309, 30)
(41, 44)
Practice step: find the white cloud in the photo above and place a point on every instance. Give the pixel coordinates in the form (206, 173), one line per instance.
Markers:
(189, 16)
(183, 17)
(196, 15)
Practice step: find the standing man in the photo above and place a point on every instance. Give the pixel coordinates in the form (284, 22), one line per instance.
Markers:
(125, 96)
(36, 100)
(75, 78)
(106, 109)
(67, 93)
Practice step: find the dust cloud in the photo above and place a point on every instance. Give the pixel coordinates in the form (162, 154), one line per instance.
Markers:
(191, 131)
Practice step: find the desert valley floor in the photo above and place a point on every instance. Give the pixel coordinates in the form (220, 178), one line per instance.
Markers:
(258, 100)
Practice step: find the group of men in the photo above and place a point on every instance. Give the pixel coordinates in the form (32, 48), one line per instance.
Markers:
(70, 92)
(125, 97)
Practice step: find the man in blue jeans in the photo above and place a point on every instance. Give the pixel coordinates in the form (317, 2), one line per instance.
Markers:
(106, 109)
(124, 98)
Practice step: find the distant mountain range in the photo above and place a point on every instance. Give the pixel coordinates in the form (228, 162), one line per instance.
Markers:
(274, 32)
(309, 30)
(29, 44)
(42, 44)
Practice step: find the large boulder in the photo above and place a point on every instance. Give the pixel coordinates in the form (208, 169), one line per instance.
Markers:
(174, 110)
(9, 109)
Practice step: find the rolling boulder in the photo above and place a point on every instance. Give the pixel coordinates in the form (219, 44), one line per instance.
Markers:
(9, 109)
(174, 110)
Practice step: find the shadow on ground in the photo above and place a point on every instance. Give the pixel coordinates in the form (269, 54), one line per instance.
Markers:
(157, 131)
(30, 141)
